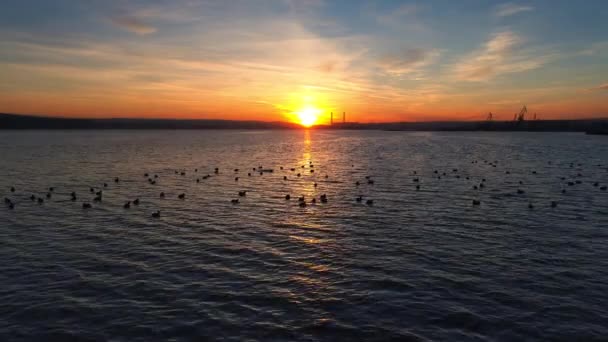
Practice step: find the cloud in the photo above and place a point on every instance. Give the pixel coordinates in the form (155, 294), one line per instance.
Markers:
(502, 54)
(509, 9)
(408, 61)
(133, 24)
(601, 87)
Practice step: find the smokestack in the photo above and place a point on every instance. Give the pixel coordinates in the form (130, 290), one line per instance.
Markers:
(344, 117)
(331, 118)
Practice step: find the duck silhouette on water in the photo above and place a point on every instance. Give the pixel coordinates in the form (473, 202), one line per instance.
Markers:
(156, 214)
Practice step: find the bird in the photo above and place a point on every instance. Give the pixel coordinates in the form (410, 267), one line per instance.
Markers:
(116, 180)
(249, 174)
(86, 206)
(604, 188)
(370, 181)
(301, 198)
(553, 204)
(284, 177)
(369, 202)
(287, 197)
(530, 206)
(315, 185)
(234, 201)
(11, 205)
(136, 201)
(417, 187)
(97, 199)
(40, 200)
(7, 200)
(51, 189)
(314, 200)
(48, 195)
(236, 170)
(302, 204)
(156, 214)
(323, 198)
(357, 183)
(236, 179)
(162, 195)
(181, 196)
(12, 189)
(127, 205)
(298, 175)
(33, 198)
(243, 193)
(105, 185)
(476, 202)
(146, 175)
(359, 198)
(520, 191)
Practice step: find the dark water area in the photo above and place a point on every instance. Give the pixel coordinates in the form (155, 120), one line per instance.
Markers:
(416, 265)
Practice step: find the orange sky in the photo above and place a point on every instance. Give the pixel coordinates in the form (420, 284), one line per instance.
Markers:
(268, 62)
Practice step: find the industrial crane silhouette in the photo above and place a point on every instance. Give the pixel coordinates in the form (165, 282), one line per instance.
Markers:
(521, 116)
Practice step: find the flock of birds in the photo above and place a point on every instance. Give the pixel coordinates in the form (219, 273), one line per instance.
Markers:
(98, 192)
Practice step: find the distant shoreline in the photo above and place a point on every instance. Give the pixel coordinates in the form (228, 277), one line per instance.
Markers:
(26, 122)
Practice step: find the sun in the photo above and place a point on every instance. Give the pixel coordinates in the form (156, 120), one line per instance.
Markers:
(308, 116)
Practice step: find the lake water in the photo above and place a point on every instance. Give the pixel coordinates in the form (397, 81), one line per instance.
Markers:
(421, 264)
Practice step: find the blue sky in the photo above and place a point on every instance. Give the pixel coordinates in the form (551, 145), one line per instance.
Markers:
(378, 60)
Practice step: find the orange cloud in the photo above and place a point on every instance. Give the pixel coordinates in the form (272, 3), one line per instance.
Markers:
(133, 24)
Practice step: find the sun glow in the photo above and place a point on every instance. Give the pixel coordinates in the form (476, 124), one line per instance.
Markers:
(308, 116)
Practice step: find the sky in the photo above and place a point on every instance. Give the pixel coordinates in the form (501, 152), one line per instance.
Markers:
(271, 60)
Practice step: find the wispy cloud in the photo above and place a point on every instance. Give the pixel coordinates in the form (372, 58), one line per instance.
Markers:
(601, 87)
(509, 9)
(502, 54)
(133, 24)
(408, 61)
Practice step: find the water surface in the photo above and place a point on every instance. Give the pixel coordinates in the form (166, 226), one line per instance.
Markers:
(416, 265)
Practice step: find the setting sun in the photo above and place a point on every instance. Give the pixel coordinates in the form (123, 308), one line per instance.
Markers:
(308, 116)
